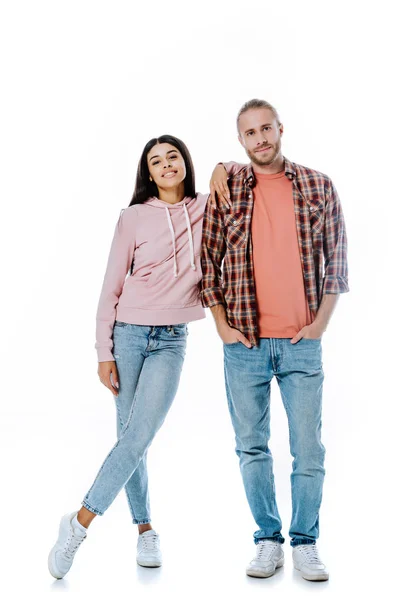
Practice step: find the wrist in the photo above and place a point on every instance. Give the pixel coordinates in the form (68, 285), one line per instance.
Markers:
(319, 326)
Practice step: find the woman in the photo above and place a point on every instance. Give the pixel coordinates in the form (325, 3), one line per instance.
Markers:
(141, 332)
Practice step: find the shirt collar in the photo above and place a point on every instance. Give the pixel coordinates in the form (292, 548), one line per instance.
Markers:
(289, 167)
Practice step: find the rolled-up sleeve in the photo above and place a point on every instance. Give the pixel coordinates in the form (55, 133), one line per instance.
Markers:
(335, 246)
(212, 253)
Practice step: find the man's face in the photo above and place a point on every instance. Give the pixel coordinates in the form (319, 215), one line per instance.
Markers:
(260, 135)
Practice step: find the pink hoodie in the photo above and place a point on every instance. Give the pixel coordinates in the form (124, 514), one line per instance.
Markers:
(164, 241)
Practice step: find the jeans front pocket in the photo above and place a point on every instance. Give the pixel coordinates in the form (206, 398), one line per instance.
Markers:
(180, 330)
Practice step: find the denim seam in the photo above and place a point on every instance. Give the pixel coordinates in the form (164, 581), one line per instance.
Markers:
(130, 503)
(114, 448)
(125, 427)
(102, 466)
(286, 406)
(126, 491)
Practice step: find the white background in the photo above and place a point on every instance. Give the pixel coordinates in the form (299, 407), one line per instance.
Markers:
(84, 86)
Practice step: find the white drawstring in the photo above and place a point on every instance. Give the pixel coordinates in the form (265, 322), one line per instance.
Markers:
(189, 229)
(173, 240)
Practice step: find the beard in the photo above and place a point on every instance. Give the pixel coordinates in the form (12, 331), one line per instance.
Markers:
(258, 160)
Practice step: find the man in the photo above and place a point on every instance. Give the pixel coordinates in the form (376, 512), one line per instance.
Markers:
(284, 246)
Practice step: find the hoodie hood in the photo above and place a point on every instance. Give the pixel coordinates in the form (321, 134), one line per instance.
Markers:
(154, 201)
(167, 207)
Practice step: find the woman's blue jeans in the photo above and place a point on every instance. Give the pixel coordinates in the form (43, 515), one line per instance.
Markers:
(149, 361)
(298, 370)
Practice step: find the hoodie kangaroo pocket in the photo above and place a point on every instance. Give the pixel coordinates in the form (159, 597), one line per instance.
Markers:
(168, 291)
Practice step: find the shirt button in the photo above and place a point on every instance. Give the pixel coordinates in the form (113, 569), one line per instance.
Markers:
(247, 216)
(312, 208)
(234, 222)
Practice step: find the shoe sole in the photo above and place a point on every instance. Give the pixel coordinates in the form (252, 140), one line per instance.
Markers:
(148, 564)
(262, 575)
(52, 567)
(313, 577)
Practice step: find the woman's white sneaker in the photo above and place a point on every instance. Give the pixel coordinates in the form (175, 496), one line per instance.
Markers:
(148, 549)
(306, 560)
(269, 557)
(69, 539)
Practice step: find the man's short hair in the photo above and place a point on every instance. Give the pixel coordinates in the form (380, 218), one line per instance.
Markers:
(256, 103)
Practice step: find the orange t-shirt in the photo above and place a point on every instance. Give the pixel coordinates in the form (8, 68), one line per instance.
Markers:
(282, 306)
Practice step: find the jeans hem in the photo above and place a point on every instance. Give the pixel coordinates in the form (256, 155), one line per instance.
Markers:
(141, 521)
(295, 543)
(93, 510)
(277, 538)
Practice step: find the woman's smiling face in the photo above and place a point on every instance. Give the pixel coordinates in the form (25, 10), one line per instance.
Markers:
(166, 166)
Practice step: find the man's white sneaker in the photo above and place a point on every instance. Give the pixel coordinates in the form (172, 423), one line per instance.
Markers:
(268, 558)
(69, 539)
(148, 549)
(307, 561)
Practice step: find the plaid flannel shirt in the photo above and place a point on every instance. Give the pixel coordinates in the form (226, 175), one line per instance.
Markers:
(226, 239)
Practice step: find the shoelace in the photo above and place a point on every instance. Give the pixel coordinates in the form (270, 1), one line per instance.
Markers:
(72, 544)
(150, 542)
(311, 553)
(265, 549)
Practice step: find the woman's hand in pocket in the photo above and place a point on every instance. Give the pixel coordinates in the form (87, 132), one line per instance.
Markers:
(108, 375)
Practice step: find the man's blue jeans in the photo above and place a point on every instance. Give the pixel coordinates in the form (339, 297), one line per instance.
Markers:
(298, 370)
